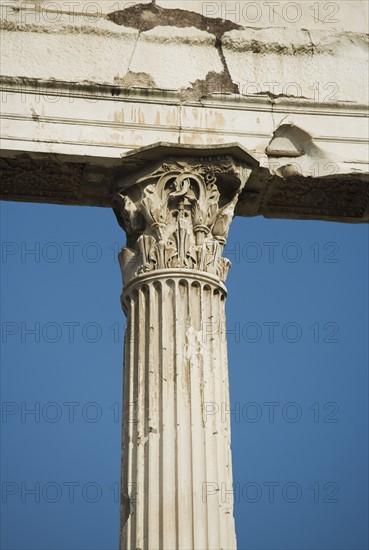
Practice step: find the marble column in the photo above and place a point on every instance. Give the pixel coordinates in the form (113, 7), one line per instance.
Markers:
(176, 484)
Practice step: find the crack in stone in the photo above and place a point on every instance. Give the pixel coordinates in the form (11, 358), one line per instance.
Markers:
(146, 17)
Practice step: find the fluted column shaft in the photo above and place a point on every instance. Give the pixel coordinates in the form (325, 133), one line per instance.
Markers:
(176, 450)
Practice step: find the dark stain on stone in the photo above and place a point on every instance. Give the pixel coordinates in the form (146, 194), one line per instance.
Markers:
(145, 17)
(125, 511)
(126, 508)
(213, 83)
(115, 91)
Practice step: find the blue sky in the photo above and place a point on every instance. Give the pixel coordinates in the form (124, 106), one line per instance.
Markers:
(297, 317)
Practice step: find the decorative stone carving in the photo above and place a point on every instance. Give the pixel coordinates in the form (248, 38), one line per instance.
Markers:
(179, 216)
(40, 180)
(320, 197)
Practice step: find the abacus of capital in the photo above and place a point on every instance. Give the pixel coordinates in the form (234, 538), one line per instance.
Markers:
(176, 215)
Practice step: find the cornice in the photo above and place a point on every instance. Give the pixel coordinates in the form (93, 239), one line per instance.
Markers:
(260, 102)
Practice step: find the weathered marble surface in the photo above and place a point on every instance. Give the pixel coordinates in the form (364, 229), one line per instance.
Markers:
(115, 77)
(170, 49)
(87, 84)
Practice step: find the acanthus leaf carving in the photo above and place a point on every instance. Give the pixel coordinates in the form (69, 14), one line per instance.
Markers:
(223, 220)
(173, 218)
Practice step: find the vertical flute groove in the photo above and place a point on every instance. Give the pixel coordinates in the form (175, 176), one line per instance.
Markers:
(175, 383)
(203, 409)
(159, 289)
(190, 389)
(145, 439)
(135, 369)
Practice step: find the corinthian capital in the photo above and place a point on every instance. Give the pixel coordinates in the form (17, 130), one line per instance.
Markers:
(177, 215)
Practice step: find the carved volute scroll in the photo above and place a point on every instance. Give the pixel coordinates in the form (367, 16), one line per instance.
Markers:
(179, 217)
